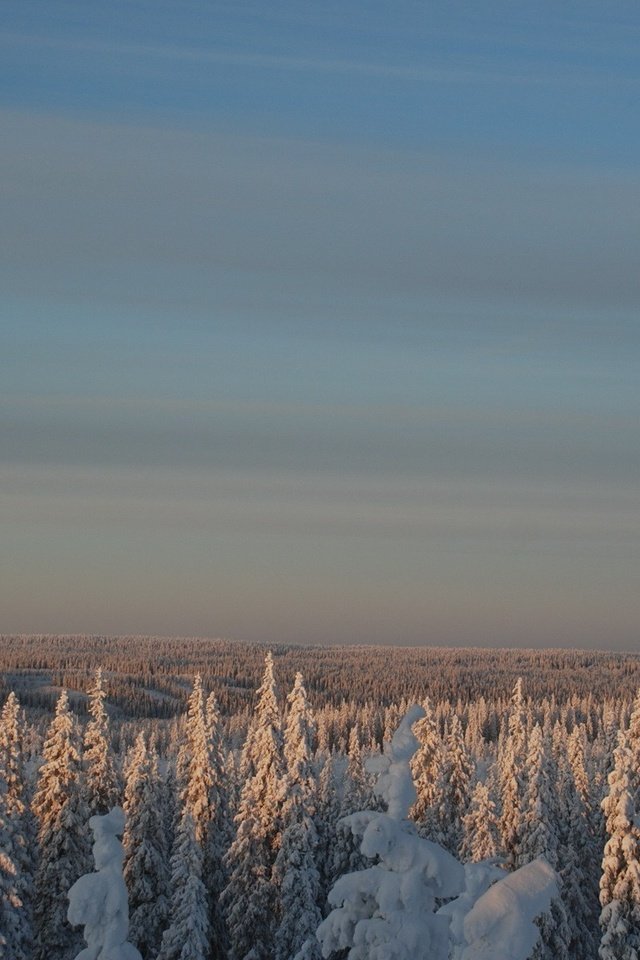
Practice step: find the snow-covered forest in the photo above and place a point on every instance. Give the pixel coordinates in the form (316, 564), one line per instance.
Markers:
(236, 770)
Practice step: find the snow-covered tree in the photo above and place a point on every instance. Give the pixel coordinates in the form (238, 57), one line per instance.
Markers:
(481, 840)
(195, 765)
(388, 911)
(16, 836)
(98, 900)
(426, 767)
(295, 870)
(62, 820)
(453, 799)
(220, 828)
(327, 816)
(187, 937)
(536, 833)
(576, 855)
(537, 836)
(356, 795)
(633, 743)
(250, 899)
(101, 778)
(146, 857)
(200, 824)
(620, 882)
(512, 766)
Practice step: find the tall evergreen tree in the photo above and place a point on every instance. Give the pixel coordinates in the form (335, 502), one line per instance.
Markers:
(537, 836)
(63, 839)
(575, 857)
(453, 799)
(146, 865)
(250, 898)
(356, 795)
(620, 882)
(426, 766)
(101, 778)
(481, 840)
(16, 838)
(328, 814)
(295, 869)
(633, 743)
(200, 808)
(219, 834)
(512, 765)
(187, 937)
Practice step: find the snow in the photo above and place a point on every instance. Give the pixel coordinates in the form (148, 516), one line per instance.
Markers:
(395, 782)
(388, 911)
(500, 924)
(99, 900)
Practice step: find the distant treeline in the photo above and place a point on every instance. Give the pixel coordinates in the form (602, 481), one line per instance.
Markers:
(151, 677)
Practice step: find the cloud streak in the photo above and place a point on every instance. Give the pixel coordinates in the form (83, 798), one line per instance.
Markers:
(197, 210)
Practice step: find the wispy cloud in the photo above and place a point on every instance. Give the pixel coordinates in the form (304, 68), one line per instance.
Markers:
(186, 214)
(475, 70)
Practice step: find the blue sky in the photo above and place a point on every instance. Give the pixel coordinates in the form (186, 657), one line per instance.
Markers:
(320, 321)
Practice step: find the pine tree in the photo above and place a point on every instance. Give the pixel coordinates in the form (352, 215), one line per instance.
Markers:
(63, 840)
(250, 898)
(16, 839)
(295, 869)
(620, 883)
(146, 859)
(101, 779)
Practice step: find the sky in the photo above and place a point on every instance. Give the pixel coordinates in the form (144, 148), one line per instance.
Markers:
(320, 321)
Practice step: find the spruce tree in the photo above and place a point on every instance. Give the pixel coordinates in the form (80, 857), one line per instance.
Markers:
(512, 764)
(201, 810)
(16, 838)
(575, 857)
(218, 838)
(63, 839)
(187, 937)
(250, 898)
(537, 836)
(453, 799)
(295, 869)
(146, 868)
(633, 742)
(101, 779)
(356, 795)
(536, 833)
(328, 814)
(426, 767)
(620, 882)
(481, 840)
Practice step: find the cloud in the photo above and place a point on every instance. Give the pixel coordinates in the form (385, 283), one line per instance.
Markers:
(323, 440)
(152, 216)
